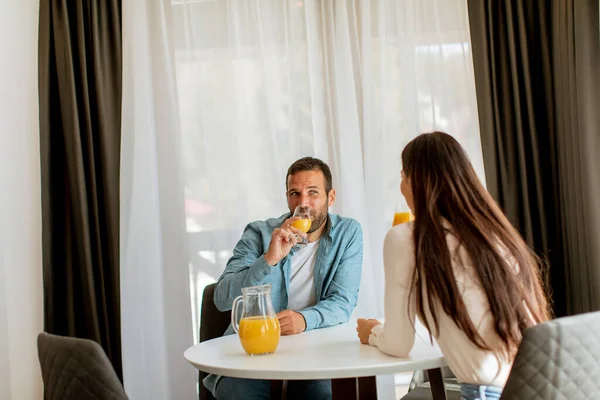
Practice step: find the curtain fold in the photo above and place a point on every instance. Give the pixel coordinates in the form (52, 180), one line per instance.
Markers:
(155, 305)
(576, 62)
(21, 314)
(536, 71)
(80, 131)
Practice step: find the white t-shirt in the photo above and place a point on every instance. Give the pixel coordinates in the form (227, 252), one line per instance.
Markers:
(302, 284)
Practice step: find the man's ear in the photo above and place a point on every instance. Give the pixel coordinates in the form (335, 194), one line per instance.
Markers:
(331, 197)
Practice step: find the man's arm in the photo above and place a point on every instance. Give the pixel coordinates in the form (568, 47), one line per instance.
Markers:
(342, 294)
(247, 267)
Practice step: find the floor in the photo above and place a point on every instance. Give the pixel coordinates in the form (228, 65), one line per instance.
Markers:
(401, 382)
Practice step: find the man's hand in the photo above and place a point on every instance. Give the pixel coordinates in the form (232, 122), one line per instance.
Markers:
(291, 322)
(282, 241)
(364, 329)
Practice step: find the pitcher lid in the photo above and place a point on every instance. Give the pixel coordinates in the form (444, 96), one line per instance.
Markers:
(257, 289)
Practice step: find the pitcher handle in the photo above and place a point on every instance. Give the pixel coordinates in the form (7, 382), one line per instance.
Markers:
(234, 320)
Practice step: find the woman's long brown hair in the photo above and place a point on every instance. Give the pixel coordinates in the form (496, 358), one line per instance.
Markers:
(445, 186)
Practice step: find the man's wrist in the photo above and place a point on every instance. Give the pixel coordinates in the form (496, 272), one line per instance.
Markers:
(303, 319)
(270, 262)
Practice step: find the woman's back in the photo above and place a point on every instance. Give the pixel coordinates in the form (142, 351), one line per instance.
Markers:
(468, 362)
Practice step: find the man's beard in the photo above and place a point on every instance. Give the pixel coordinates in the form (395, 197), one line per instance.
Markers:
(318, 218)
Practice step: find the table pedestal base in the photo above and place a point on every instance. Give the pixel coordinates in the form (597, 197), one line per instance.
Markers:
(354, 388)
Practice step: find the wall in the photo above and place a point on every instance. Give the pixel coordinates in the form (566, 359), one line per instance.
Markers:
(21, 317)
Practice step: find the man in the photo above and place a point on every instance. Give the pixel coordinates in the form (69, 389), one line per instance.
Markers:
(313, 287)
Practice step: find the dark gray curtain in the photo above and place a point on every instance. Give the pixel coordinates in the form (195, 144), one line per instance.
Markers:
(80, 134)
(537, 73)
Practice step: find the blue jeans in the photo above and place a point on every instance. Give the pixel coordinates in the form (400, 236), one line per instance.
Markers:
(479, 392)
(256, 389)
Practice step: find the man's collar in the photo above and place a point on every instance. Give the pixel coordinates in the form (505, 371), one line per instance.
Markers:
(330, 224)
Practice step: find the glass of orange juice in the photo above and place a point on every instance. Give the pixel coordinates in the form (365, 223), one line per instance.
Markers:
(302, 224)
(402, 214)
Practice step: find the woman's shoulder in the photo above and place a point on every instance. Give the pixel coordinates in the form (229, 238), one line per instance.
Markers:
(400, 235)
(398, 253)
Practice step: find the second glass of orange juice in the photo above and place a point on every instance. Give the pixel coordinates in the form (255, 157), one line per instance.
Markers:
(402, 215)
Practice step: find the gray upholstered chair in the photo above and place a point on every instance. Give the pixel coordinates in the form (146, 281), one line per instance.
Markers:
(559, 359)
(77, 369)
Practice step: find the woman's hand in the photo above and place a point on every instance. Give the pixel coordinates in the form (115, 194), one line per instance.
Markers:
(364, 327)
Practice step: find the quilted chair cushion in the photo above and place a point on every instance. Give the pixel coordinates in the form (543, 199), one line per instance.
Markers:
(75, 368)
(559, 359)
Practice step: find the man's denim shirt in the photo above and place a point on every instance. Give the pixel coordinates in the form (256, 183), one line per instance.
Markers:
(337, 273)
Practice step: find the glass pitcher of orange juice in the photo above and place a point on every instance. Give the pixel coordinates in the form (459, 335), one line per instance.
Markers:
(258, 326)
(402, 215)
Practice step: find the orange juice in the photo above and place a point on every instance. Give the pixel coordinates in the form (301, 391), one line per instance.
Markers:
(259, 335)
(302, 224)
(402, 217)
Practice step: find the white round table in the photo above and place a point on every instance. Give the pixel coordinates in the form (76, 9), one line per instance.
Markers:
(327, 353)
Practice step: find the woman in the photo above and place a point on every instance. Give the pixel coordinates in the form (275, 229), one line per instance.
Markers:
(460, 267)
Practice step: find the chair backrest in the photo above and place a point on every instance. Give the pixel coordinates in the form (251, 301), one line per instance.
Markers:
(213, 324)
(75, 368)
(559, 359)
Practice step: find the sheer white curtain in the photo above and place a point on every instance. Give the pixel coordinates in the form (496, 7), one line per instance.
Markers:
(21, 306)
(261, 83)
(155, 303)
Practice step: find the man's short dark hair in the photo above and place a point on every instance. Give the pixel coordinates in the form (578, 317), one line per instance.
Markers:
(311, 164)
